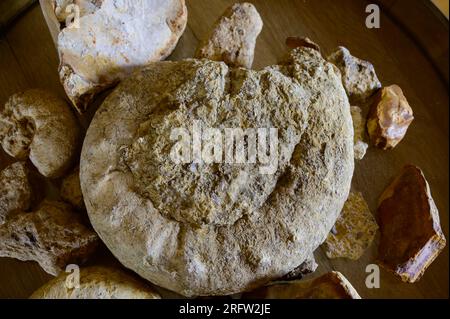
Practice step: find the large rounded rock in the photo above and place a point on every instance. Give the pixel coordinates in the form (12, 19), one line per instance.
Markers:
(220, 228)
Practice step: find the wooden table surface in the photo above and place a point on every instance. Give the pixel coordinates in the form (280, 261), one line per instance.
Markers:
(403, 52)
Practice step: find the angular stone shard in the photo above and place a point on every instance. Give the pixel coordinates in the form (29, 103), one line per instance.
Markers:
(97, 282)
(52, 236)
(332, 285)
(354, 230)
(389, 118)
(359, 126)
(71, 190)
(233, 38)
(15, 191)
(411, 234)
(358, 76)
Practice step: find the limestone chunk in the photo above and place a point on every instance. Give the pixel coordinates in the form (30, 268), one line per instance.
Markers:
(358, 76)
(233, 38)
(53, 236)
(95, 282)
(15, 190)
(354, 230)
(359, 126)
(71, 190)
(296, 42)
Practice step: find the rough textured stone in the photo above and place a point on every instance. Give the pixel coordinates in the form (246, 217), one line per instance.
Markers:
(41, 126)
(217, 229)
(297, 42)
(389, 117)
(411, 235)
(85, 7)
(358, 76)
(15, 190)
(332, 285)
(359, 126)
(52, 236)
(233, 38)
(354, 230)
(113, 41)
(71, 190)
(96, 282)
(308, 266)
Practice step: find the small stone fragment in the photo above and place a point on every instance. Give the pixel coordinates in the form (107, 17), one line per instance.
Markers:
(233, 38)
(52, 236)
(63, 11)
(15, 190)
(71, 190)
(389, 117)
(296, 42)
(358, 76)
(332, 285)
(411, 234)
(96, 282)
(355, 230)
(359, 125)
(307, 267)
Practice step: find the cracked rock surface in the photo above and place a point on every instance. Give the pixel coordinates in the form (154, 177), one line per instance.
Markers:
(217, 229)
(53, 236)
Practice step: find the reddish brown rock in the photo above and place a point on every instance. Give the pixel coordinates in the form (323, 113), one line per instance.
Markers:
(332, 285)
(411, 235)
(53, 236)
(389, 118)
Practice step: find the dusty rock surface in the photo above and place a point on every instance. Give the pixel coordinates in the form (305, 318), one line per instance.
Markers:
(114, 40)
(96, 282)
(15, 190)
(358, 76)
(233, 37)
(220, 228)
(359, 126)
(71, 190)
(41, 126)
(354, 230)
(52, 236)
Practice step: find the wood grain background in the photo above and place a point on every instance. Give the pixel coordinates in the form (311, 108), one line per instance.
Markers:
(410, 49)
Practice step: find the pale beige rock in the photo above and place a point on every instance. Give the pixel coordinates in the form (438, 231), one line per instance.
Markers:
(354, 230)
(113, 41)
(233, 37)
(71, 190)
(359, 126)
(411, 234)
(63, 10)
(297, 42)
(53, 236)
(217, 229)
(41, 126)
(358, 76)
(15, 191)
(96, 282)
(332, 285)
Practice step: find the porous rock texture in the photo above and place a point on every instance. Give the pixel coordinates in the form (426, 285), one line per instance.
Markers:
(39, 125)
(358, 76)
(96, 282)
(354, 230)
(71, 190)
(114, 40)
(53, 236)
(217, 229)
(359, 126)
(233, 37)
(332, 285)
(15, 190)
(308, 266)
(411, 234)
